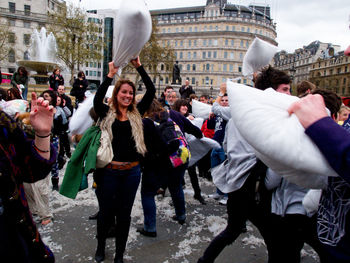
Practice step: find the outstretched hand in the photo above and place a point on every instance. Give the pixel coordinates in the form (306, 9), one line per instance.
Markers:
(309, 109)
(41, 115)
(136, 62)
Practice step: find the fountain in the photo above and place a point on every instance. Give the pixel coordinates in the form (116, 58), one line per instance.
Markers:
(42, 55)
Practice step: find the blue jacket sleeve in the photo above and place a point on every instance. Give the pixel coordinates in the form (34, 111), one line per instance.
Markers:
(334, 143)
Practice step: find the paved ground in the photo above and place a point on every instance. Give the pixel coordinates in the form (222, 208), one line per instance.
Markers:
(72, 235)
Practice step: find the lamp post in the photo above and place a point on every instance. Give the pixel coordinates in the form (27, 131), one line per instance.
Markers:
(211, 91)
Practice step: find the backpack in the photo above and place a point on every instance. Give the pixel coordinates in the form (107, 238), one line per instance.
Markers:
(177, 146)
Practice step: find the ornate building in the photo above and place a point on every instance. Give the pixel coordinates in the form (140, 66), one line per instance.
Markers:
(332, 73)
(299, 63)
(210, 41)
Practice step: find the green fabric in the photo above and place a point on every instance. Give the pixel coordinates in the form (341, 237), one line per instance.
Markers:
(82, 162)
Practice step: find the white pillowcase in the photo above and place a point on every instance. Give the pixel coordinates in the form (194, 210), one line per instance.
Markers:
(134, 28)
(259, 54)
(278, 139)
(200, 109)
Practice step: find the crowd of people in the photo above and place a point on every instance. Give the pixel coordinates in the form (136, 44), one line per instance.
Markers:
(147, 141)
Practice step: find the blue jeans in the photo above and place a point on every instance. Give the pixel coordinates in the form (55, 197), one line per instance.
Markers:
(175, 177)
(149, 188)
(116, 190)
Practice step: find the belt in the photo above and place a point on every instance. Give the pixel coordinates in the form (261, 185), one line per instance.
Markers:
(122, 165)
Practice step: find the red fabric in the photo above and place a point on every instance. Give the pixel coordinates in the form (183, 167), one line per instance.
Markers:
(209, 133)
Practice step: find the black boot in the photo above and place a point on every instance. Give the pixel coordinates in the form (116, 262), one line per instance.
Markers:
(54, 181)
(100, 251)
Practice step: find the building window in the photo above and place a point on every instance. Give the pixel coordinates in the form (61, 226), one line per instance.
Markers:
(194, 54)
(166, 80)
(215, 54)
(190, 29)
(181, 43)
(11, 56)
(346, 69)
(209, 54)
(226, 42)
(225, 67)
(215, 42)
(194, 67)
(248, 29)
(210, 28)
(195, 42)
(177, 30)
(181, 55)
(188, 55)
(233, 28)
(175, 43)
(12, 38)
(99, 65)
(189, 43)
(242, 43)
(232, 42)
(225, 54)
(195, 29)
(98, 73)
(210, 42)
(204, 42)
(188, 67)
(242, 29)
(227, 28)
(26, 39)
(12, 7)
(231, 68)
(27, 10)
(239, 69)
(241, 56)
(203, 54)
(26, 24)
(12, 22)
(232, 55)
(247, 43)
(193, 81)
(86, 73)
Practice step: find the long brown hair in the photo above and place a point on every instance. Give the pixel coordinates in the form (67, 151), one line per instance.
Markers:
(114, 101)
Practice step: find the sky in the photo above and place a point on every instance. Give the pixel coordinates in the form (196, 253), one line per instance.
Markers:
(298, 22)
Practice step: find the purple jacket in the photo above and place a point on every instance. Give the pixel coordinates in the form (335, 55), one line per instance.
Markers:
(333, 219)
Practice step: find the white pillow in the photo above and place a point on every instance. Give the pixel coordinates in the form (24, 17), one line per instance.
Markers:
(259, 54)
(134, 28)
(278, 139)
(81, 119)
(200, 109)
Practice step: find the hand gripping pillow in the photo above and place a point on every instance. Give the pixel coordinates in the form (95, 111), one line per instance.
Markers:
(278, 139)
(200, 109)
(259, 54)
(133, 30)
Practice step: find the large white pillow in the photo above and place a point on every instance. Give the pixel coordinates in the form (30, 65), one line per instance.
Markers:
(81, 119)
(200, 109)
(258, 55)
(134, 28)
(278, 139)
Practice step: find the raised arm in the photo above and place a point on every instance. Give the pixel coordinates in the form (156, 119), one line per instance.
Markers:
(147, 99)
(100, 108)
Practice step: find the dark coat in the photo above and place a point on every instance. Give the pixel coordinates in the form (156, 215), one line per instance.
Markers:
(55, 83)
(19, 162)
(186, 92)
(79, 88)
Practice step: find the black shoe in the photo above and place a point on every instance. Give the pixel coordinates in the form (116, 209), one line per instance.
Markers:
(142, 231)
(181, 222)
(200, 199)
(69, 155)
(93, 217)
(118, 260)
(100, 251)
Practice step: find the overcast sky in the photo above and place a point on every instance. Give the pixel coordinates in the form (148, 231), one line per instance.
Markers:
(299, 22)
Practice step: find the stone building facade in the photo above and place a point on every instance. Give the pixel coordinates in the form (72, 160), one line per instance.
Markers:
(210, 41)
(332, 73)
(299, 63)
(22, 17)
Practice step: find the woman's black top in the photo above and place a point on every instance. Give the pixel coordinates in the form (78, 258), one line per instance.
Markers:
(123, 144)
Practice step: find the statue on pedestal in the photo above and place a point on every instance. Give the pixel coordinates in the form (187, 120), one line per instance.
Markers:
(176, 73)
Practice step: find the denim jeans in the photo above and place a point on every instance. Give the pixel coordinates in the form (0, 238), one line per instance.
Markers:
(175, 177)
(149, 188)
(116, 190)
